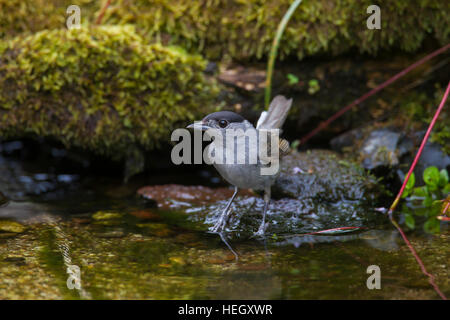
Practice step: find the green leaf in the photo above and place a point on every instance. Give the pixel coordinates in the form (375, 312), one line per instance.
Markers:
(420, 191)
(409, 185)
(428, 201)
(431, 177)
(443, 178)
(446, 189)
(409, 221)
(292, 79)
(432, 225)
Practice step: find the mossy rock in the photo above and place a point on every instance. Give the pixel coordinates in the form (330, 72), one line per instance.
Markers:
(99, 88)
(245, 29)
(325, 176)
(18, 17)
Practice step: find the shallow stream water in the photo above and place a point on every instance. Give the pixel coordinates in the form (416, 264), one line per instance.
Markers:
(128, 248)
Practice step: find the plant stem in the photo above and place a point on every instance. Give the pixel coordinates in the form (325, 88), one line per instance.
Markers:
(274, 48)
(102, 12)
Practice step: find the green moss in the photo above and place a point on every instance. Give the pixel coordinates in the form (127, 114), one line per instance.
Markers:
(99, 88)
(17, 16)
(245, 28)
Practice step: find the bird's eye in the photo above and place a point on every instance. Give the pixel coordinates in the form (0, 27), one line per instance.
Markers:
(223, 123)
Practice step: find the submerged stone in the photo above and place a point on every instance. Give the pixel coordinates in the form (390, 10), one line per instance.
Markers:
(11, 226)
(175, 196)
(104, 215)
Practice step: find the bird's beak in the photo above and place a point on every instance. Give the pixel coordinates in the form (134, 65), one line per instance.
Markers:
(198, 126)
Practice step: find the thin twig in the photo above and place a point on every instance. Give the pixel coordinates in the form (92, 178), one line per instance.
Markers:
(102, 12)
(325, 124)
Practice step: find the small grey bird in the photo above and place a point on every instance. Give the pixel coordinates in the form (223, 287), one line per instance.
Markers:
(246, 175)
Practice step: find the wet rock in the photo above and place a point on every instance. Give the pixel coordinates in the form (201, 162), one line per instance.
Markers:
(11, 226)
(375, 148)
(379, 149)
(176, 196)
(19, 182)
(323, 175)
(385, 150)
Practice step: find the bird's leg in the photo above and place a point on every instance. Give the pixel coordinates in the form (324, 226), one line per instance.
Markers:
(220, 225)
(262, 227)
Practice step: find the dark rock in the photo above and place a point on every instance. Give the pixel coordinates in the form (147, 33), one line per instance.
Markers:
(176, 196)
(374, 148)
(3, 199)
(432, 155)
(211, 68)
(346, 140)
(379, 149)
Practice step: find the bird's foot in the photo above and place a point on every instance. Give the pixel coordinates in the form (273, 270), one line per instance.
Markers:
(220, 225)
(261, 230)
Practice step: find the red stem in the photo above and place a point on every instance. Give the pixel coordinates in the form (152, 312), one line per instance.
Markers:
(102, 12)
(446, 208)
(324, 124)
(399, 195)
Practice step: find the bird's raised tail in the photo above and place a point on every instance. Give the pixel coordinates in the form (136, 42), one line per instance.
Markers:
(276, 115)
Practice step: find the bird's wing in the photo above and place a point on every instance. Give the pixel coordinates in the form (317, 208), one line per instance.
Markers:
(276, 115)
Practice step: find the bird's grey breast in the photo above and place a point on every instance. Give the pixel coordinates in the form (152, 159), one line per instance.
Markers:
(247, 174)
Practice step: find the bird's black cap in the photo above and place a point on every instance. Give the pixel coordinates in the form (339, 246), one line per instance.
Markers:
(224, 115)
